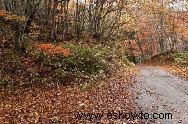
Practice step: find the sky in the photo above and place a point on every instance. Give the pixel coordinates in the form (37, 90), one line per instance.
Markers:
(179, 5)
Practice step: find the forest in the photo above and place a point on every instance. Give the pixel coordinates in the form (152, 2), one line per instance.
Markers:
(66, 61)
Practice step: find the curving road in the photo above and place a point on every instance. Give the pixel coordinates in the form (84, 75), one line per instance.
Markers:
(158, 91)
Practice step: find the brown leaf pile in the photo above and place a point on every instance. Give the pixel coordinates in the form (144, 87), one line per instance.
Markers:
(58, 105)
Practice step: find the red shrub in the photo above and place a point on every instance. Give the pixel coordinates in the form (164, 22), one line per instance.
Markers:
(53, 50)
(45, 47)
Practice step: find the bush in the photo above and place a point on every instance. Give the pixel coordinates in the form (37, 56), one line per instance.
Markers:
(80, 61)
(181, 58)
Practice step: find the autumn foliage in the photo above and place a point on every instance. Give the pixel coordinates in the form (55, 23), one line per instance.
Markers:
(2, 13)
(53, 50)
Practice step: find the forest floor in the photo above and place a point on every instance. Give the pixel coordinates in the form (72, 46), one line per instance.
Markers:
(158, 91)
(62, 104)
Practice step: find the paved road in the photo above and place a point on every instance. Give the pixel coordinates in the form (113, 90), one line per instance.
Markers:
(158, 91)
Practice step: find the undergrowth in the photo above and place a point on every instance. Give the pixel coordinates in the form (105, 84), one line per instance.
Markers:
(59, 63)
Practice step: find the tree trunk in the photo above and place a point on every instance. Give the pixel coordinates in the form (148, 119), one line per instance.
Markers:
(53, 25)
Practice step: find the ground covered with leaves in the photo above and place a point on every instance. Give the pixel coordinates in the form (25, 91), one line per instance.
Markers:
(60, 104)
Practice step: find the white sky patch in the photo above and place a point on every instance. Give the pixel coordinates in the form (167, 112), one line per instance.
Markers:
(179, 5)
